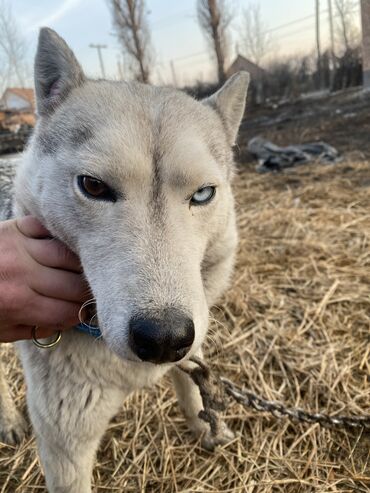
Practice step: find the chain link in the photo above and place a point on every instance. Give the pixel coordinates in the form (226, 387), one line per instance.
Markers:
(250, 399)
(211, 389)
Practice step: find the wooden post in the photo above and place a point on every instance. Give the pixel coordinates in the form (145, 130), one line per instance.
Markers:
(318, 44)
(332, 46)
(365, 16)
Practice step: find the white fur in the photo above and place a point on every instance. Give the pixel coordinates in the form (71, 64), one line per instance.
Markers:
(142, 252)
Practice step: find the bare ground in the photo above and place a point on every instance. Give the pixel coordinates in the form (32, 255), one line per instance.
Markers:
(293, 327)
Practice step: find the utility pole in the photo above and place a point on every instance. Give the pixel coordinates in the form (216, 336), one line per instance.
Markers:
(120, 69)
(365, 16)
(99, 47)
(332, 46)
(318, 47)
(173, 71)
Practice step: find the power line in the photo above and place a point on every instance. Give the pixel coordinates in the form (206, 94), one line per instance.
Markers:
(287, 24)
(310, 27)
(282, 26)
(192, 55)
(292, 33)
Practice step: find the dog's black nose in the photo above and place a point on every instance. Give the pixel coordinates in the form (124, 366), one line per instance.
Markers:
(161, 339)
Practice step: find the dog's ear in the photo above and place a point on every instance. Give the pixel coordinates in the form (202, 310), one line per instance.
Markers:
(57, 71)
(229, 102)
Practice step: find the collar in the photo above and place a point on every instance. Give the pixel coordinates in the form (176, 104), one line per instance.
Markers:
(89, 330)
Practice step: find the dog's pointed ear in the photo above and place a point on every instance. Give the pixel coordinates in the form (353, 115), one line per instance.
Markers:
(57, 71)
(229, 102)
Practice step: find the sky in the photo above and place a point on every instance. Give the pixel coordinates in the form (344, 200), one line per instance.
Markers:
(176, 35)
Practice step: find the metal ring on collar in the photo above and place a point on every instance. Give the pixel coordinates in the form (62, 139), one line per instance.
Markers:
(47, 345)
(80, 314)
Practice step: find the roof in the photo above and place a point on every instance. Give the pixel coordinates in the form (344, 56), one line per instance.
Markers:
(24, 93)
(242, 63)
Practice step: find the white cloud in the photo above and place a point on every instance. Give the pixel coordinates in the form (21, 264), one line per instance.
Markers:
(55, 16)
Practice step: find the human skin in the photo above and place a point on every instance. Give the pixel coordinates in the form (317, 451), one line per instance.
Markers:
(41, 282)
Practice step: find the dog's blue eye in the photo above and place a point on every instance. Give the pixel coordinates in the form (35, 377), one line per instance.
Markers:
(203, 195)
(95, 189)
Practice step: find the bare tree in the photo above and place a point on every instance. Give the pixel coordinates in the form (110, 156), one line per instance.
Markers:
(13, 53)
(347, 32)
(130, 24)
(214, 19)
(257, 41)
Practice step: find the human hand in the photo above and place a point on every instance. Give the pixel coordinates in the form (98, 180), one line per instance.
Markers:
(41, 282)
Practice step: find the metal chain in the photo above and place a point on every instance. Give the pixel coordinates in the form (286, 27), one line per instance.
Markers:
(250, 399)
(210, 387)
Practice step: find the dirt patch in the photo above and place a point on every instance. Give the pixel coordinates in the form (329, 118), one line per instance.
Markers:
(341, 120)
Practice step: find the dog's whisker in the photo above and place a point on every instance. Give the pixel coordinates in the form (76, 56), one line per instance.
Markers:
(88, 302)
(219, 323)
(92, 318)
(88, 291)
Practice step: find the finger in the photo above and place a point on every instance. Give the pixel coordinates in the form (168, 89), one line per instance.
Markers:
(31, 227)
(46, 312)
(13, 334)
(53, 253)
(60, 284)
(23, 332)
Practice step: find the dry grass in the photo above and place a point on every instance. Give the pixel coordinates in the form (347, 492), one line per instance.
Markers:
(294, 327)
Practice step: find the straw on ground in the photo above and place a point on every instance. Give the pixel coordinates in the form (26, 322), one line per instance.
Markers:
(294, 326)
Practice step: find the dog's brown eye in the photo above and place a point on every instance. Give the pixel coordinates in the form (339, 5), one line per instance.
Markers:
(95, 189)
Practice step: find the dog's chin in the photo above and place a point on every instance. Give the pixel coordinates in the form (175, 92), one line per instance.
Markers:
(125, 354)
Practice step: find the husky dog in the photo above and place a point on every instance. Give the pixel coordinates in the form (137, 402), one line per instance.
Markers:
(136, 180)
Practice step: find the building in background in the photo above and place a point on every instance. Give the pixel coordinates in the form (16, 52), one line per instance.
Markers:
(242, 63)
(17, 118)
(18, 99)
(257, 74)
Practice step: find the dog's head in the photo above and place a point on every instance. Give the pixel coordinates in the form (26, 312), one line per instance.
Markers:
(136, 180)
